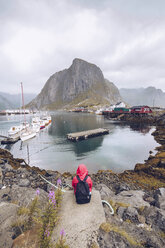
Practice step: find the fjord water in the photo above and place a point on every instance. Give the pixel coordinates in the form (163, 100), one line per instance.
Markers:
(121, 149)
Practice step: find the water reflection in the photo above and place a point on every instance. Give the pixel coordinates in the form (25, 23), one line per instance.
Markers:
(121, 149)
(140, 128)
(62, 124)
(86, 146)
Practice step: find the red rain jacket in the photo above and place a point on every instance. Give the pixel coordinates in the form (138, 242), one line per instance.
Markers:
(82, 172)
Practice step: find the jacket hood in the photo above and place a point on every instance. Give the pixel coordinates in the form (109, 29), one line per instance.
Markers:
(82, 171)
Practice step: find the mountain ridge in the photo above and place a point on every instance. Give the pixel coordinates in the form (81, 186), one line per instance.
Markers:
(12, 101)
(82, 81)
(143, 96)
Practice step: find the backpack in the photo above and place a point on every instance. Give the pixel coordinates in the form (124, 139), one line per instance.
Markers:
(82, 191)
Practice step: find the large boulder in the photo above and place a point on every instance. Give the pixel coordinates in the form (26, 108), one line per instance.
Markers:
(160, 198)
(105, 192)
(155, 217)
(22, 195)
(7, 217)
(133, 198)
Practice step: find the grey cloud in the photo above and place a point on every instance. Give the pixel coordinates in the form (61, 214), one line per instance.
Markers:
(125, 38)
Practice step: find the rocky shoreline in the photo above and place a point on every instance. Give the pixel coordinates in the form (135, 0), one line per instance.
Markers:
(137, 196)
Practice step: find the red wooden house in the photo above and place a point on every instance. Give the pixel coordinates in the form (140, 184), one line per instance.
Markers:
(141, 110)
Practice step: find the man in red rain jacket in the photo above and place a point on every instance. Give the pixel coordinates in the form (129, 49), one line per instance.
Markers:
(82, 178)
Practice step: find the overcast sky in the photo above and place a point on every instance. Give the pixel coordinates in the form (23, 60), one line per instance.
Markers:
(125, 38)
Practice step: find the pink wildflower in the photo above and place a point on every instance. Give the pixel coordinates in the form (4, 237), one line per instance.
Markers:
(59, 182)
(37, 192)
(52, 198)
(62, 233)
(46, 233)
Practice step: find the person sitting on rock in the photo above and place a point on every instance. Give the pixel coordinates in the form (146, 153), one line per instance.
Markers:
(82, 185)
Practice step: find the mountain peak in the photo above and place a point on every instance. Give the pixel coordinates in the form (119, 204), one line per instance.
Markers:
(80, 64)
(82, 81)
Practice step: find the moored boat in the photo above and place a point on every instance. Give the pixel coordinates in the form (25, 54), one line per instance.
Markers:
(99, 112)
(14, 130)
(27, 134)
(42, 124)
(45, 120)
(49, 119)
(17, 129)
(36, 127)
(36, 124)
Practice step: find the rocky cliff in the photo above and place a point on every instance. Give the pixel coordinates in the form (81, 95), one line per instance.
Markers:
(82, 83)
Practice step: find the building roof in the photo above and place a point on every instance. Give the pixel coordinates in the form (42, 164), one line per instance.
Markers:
(141, 106)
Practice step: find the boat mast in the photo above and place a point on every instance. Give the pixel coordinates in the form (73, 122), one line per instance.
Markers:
(23, 102)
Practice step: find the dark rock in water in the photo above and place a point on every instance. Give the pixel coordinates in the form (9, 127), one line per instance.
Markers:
(83, 81)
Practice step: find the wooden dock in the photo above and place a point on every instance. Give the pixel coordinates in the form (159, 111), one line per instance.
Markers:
(10, 140)
(87, 134)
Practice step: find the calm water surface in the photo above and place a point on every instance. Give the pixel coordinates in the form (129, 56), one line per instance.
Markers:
(121, 149)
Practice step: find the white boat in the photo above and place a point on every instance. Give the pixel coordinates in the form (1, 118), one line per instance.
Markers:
(36, 127)
(42, 124)
(14, 130)
(17, 129)
(27, 134)
(36, 119)
(99, 112)
(49, 119)
(45, 120)
(36, 124)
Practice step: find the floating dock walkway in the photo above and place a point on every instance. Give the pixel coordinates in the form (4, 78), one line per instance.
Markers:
(87, 134)
(10, 140)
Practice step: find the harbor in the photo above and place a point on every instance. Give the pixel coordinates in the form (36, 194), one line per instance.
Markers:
(50, 148)
(25, 130)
